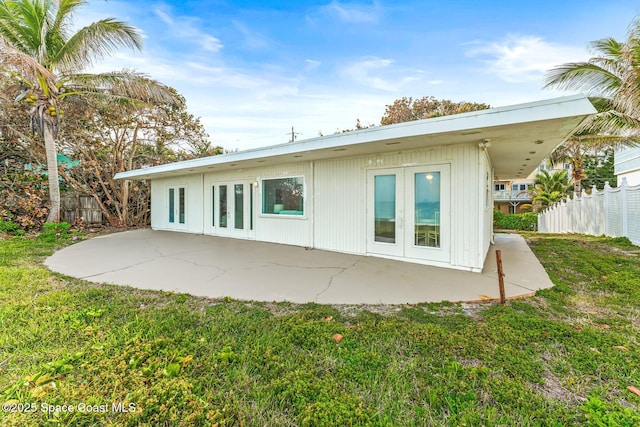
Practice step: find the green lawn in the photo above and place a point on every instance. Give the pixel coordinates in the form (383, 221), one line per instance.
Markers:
(563, 357)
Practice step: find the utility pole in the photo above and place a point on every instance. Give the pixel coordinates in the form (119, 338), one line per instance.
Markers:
(293, 135)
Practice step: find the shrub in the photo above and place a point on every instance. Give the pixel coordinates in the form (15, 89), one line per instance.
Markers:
(8, 226)
(55, 231)
(23, 195)
(57, 227)
(526, 221)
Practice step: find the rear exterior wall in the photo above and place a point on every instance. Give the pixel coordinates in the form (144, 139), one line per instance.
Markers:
(335, 201)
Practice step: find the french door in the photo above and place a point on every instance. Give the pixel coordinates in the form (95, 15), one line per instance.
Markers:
(176, 207)
(231, 209)
(408, 212)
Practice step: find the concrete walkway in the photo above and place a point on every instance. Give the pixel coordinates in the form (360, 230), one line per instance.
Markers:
(219, 267)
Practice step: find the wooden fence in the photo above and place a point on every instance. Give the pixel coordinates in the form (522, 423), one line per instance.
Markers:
(613, 212)
(74, 207)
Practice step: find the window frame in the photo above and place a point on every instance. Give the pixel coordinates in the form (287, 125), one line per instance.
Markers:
(279, 215)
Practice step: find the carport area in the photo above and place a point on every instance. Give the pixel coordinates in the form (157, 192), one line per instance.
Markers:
(219, 267)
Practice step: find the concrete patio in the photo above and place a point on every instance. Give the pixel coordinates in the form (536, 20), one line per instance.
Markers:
(221, 267)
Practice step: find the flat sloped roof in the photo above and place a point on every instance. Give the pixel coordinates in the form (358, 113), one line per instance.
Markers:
(521, 137)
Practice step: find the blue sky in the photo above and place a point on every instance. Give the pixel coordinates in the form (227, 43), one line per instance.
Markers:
(253, 69)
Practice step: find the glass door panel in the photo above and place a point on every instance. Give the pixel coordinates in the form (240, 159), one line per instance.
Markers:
(238, 206)
(385, 208)
(181, 205)
(222, 203)
(172, 205)
(427, 209)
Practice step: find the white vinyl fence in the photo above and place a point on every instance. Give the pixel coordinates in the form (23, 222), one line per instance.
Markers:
(613, 212)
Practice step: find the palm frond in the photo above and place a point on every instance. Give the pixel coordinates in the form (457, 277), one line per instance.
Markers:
(27, 68)
(62, 21)
(96, 41)
(609, 48)
(9, 32)
(121, 86)
(583, 77)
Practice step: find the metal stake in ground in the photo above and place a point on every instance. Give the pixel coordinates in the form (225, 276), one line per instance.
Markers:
(503, 298)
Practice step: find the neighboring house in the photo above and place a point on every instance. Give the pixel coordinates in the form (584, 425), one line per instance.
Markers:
(419, 191)
(510, 195)
(627, 165)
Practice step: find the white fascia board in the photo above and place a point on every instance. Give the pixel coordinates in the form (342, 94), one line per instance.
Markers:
(567, 106)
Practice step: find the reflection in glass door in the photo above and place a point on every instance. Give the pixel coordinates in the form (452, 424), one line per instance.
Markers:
(427, 209)
(385, 208)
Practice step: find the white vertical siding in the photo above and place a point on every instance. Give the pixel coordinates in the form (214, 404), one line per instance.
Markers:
(340, 205)
(340, 200)
(335, 211)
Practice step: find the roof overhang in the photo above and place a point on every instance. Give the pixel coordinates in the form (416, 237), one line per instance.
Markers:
(520, 137)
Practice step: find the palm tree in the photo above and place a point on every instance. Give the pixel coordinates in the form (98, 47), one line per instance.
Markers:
(612, 80)
(549, 188)
(572, 152)
(46, 60)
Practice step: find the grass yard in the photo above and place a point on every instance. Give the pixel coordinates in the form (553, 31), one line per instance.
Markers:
(73, 353)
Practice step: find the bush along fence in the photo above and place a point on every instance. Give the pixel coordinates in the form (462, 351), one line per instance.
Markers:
(613, 212)
(526, 221)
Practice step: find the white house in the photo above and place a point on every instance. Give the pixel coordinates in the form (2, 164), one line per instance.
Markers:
(420, 191)
(627, 165)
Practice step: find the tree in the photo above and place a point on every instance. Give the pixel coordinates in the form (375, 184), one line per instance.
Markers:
(106, 141)
(583, 151)
(599, 169)
(612, 79)
(46, 62)
(572, 151)
(549, 188)
(407, 109)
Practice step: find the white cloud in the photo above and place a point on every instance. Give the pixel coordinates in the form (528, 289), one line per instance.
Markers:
(523, 58)
(311, 64)
(353, 13)
(186, 28)
(164, 17)
(378, 73)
